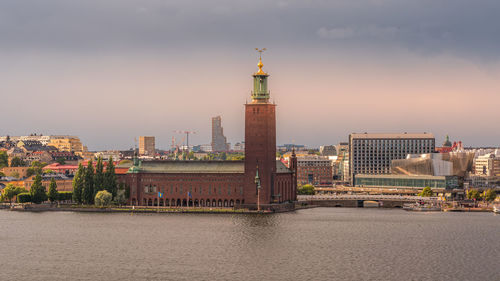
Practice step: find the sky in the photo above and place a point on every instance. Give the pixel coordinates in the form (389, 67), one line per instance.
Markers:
(112, 70)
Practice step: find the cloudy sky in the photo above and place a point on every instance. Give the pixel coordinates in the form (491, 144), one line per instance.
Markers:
(110, 70)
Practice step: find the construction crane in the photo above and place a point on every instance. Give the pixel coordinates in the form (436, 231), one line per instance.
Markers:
(187, 136)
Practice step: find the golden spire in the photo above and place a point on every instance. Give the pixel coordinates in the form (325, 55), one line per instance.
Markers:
(260, 64)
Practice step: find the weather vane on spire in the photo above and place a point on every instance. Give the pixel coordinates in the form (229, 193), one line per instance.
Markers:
(260, 64)
(260, 51)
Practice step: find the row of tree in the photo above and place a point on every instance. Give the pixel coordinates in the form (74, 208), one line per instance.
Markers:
(88, 182)
(487, 195)
(37, 193)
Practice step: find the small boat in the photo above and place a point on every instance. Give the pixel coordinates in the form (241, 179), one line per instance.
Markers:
(496, 209)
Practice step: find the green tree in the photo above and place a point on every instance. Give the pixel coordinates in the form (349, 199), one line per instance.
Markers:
(24, 197)
(65, 195)
(474, 194)
(61, 161)
(103, 198)
(426, 192)
(120, 198)
(10, 191)
(110, 183)
(4, 159)
(307, 189)
(36, 168)
(99, 176)
(15, 175)
(88, 188)
(124, 162)
(17, 162)
(490, 195)
(53, 194)
(78, 184)
(37, 191)
(127, 190)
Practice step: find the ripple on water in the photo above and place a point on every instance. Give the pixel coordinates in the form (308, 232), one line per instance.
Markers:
(312, 244)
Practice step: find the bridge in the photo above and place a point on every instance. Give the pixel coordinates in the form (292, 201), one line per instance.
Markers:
(347, 200)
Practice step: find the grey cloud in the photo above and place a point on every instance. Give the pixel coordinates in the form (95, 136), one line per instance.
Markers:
(461, 27)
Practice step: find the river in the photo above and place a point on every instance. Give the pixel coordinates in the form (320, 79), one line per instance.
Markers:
(312, 244)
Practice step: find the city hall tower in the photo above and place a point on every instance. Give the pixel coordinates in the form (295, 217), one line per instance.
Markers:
(260, 140)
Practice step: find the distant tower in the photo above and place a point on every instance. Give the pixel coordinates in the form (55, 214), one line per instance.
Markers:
(219, 141)
(260, 139)
(147, 146)
(447, 142)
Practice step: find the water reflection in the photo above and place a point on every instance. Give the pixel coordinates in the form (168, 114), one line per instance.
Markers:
(315, 244)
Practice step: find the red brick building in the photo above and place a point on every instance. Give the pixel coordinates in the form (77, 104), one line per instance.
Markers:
(315, 170)
(223, 183)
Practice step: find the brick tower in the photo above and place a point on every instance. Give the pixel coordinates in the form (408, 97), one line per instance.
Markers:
(260, 140)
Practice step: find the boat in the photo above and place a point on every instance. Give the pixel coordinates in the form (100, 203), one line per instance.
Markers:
(496, 209)
(420, 206)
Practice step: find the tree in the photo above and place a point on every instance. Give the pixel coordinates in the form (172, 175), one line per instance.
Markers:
(110, 178)
(307, 189)
(10, 191)
(78, 184)
(490, 195)
(127, 190)
(4, 159)
(103, 198)
(65, 195)
(24, 197)
(473, 194)
(37, 191)
(61, 161)
(120, 198)
(53, 194)
(17, 162)
(99, 176)
(15, 175)
(36, 168)
(88, 187)
(426, 192)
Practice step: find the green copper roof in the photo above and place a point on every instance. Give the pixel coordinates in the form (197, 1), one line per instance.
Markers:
(188, 167)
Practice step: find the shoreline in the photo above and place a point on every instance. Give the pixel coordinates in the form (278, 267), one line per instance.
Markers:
(194, 210)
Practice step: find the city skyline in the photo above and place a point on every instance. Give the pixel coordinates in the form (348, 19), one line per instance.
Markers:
(152, 68)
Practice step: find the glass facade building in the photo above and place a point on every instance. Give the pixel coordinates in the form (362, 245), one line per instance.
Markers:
(401, 181)
(372, 153)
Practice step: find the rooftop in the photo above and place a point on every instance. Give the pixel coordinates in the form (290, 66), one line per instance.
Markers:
(392, 136)
(201, 167)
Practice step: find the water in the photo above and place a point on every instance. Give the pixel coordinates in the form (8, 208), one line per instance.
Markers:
(313, 244)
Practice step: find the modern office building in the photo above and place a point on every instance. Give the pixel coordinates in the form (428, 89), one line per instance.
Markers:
(372, 153)
(146, 146)
(219, 141)
(487, 165)
(405, 181)
(327, 150)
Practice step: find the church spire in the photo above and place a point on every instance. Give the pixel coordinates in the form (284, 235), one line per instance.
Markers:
(260, 93)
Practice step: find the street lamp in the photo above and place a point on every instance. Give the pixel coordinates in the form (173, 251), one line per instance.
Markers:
(257, 184)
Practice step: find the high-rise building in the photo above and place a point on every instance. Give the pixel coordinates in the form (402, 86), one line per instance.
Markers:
(327, 150)
(146, 146)
(219, 141)
(487, 165)
(372, 153)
